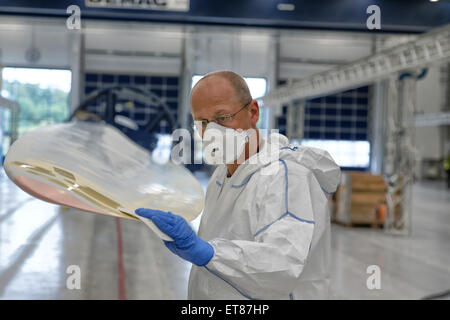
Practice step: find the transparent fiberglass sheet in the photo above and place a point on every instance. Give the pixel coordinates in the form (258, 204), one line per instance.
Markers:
(94, 167)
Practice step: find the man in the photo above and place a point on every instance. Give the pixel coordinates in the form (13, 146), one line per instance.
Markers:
(265, 228)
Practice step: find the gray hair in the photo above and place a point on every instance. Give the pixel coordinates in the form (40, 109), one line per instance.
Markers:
(242, 92)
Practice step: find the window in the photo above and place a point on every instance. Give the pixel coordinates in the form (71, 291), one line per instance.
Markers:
(346, 153)
(43, 95)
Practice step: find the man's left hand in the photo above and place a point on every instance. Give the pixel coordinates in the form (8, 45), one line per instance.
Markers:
(186, 244)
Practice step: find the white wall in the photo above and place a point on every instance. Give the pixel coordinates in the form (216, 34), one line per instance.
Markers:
(170, 49)
(428, 140)
(133, 48)
(51, 38)
(158, 48)
(305, 53)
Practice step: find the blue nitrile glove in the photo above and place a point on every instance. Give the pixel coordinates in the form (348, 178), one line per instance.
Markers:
(186, 243)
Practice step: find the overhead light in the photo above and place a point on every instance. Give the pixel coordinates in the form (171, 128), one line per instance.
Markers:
(434, 0)
(286, 7)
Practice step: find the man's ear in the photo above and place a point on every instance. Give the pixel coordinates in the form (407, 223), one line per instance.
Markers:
(254, 112)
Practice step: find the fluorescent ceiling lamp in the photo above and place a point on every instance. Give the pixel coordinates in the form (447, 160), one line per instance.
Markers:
(286, 7)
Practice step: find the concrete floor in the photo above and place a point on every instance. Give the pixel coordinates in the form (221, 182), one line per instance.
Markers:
(39, 241)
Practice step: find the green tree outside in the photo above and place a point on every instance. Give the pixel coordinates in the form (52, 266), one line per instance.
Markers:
(38, 106)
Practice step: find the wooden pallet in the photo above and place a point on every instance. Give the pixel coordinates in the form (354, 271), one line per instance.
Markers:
(358, 200)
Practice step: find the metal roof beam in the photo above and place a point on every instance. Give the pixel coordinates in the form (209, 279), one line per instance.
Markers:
(430, 47)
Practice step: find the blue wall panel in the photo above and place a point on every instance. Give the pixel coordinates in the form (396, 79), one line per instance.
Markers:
(342, 116)
(165, 87)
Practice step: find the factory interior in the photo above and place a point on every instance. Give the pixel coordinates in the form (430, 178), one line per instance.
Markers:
(371, 86)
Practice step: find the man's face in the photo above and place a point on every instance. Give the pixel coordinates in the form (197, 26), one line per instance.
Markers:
(214, 97)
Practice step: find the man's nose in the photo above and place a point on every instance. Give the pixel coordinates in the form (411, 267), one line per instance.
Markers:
(203, 129)
(200, 128)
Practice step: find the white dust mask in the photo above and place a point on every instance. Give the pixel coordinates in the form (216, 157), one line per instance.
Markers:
(224, 145)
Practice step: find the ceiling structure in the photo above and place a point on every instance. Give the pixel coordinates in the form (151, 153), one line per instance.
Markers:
(396, 16)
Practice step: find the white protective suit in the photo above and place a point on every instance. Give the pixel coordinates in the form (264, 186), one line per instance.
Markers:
(270, 232)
